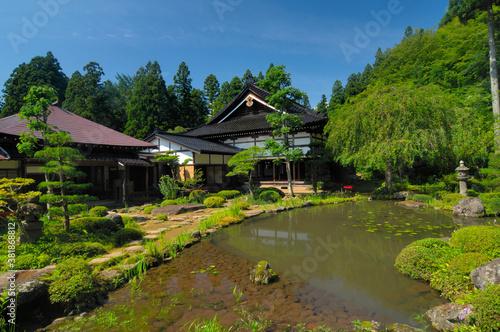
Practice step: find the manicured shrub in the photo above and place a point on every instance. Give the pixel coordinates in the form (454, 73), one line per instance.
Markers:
(454, 280)
(440, 194)
(197, 195)
(75, 286)
(32, 261)
(243, 205)
(422, 258)
(269, 196)
(92, 224)
(98, 211)
(482, 239)
(420, 198)
(168, 202)
(126, 235)
(453, 199)
(228, 194)
(472, 193)
(129, 222)
(487, 196)
(492, 206)
(487, 305)
(148, 209)
(214, 202)
(259, 191)
(163, 217)
(85, 249)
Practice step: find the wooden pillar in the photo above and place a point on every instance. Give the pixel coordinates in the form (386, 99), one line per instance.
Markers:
(294, 166)
(274, 172)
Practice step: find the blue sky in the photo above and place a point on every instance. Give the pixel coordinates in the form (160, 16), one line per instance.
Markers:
(318, 41)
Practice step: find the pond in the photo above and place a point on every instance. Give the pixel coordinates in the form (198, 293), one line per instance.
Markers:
(347, 251)
(335, 265)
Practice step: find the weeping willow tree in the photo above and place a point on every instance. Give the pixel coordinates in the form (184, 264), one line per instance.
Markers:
(391, 127)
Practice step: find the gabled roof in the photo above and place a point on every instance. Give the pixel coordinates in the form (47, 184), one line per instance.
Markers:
(194, 144)
(82, 130)
(236, 119)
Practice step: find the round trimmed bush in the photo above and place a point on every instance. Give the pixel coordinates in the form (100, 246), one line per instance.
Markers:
(269, 196)
(92, 224)
(129, 222)
(163, 217)
(228, 194)
(487, 305)
(454, 280)
(492, 206)
(32, 261)
(487, 196)
(148, 209)
(98, 211)
(168, 202)
(197, 195)
(453, 199)
(482, 239)
(85, 249)
(76, 286)
(243, 205)
(259, 191)
(214, 202)
(422, 258)
(126, 235)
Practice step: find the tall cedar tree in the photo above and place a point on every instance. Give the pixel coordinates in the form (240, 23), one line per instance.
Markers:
(282, 96)
(211, 88)
(228, 91)
(191, 103)
(39, 71)
(150, 106)
(60, 159)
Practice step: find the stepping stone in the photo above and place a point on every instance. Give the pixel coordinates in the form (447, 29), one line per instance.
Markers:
(142, 223)
(100, 260)
(133, 243)
(114, 254)
(184, 224)
(133, 249)
(109, 275)
(151, 237)
(176, 219)
(157, 221)
(253, 213)
(139, 218)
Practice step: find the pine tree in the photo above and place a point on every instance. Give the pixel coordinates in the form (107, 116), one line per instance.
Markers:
(322, 106)
(59, 157)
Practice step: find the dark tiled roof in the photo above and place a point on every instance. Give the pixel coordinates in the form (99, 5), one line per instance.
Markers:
(219, 126)
(197, 145)
(82, 130)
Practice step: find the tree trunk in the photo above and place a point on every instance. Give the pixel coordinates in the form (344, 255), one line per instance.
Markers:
(64, 205)
(250, 183)
(388, 175)
(289, 176)
(494, 77)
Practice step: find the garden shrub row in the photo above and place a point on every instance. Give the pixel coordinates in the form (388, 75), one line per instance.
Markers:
(448, 266)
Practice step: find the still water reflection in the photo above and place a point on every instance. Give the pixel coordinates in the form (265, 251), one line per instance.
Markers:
(346, 250)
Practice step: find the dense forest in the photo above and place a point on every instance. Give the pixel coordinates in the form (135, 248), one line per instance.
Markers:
(424, 104)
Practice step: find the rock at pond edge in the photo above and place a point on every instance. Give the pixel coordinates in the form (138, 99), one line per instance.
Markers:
(262, 274)
(469, 207)
(487, 274)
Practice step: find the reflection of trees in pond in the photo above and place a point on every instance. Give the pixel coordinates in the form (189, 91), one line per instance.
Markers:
(359, 262)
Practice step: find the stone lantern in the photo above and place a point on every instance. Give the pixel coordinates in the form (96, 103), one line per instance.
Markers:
(462, 177)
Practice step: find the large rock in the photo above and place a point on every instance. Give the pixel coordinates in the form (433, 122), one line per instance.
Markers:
(117, 219)
(177, 209)
(30, 284)
(262, 274)
(449, 316)
(469, 207)
(487, 274)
